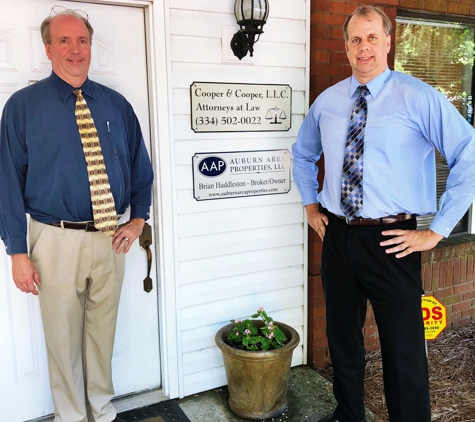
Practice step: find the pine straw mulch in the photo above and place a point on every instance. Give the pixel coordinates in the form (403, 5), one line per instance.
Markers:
(451, 374)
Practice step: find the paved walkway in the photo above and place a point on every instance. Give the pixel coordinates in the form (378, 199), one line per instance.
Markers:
(310, 398)
(309, 395)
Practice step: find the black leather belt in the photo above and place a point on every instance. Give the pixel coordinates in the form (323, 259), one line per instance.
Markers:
(88, 226)
(390, 219)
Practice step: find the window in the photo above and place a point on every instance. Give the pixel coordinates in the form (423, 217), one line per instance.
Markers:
(442, 55)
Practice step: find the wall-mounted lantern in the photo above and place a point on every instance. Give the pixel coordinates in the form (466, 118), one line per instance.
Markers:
(252, 15)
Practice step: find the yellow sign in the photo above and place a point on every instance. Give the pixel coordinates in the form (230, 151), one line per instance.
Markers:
(434, 316)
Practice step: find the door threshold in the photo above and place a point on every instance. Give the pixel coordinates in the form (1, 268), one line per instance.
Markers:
(124, 403)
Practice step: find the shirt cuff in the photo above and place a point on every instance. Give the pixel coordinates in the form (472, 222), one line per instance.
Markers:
(15, 245)
(442, 226)
(140, 211)
(309, 198)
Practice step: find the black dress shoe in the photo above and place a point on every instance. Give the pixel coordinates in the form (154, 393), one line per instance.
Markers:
(330, 418)
(118, 419)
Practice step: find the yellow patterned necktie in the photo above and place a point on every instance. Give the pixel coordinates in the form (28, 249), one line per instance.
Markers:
(103, 205)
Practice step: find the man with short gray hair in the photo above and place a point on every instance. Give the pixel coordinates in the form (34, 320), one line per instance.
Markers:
(72, 156)
(378, 130)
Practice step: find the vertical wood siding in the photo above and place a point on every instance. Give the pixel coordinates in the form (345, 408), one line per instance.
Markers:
(234, 255)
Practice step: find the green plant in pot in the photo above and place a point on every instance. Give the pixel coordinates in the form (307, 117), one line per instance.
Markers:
(257, 355)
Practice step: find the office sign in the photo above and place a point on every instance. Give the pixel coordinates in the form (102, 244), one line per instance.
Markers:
(222, 175)
(220, 107)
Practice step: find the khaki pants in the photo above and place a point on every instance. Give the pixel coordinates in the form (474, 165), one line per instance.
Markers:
(81, 279)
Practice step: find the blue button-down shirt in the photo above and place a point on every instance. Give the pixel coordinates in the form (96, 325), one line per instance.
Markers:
(42, 166)
(406, 120)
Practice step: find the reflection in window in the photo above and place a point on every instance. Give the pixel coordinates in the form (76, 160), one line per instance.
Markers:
(442, 55)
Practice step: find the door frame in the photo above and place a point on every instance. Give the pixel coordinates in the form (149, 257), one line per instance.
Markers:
(158, 44)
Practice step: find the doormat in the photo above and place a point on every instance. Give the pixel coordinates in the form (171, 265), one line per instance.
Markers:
(165, 411)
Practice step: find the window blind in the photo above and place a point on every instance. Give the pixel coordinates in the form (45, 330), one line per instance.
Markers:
(440, 54)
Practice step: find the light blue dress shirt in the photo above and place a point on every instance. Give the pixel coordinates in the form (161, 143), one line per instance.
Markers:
(406, 119)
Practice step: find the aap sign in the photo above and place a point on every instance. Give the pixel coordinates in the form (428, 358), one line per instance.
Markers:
(434, 316)
(212, 166)
(238, 174)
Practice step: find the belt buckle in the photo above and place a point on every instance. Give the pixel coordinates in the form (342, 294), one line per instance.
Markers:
(86, 226)
(347, 220)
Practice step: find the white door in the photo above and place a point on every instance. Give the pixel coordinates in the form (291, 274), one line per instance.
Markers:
(118, 61)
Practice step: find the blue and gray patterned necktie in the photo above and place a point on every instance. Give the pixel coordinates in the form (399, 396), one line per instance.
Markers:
(352, 177)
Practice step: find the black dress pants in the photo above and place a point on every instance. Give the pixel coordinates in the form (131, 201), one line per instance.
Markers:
(356, 268)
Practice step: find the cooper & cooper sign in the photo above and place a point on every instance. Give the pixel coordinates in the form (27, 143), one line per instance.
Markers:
(222, 107)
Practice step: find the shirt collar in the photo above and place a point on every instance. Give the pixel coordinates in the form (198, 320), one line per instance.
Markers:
(374, 85)
(65, 90)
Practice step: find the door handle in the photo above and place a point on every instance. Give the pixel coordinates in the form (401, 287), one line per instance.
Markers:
(145, 241)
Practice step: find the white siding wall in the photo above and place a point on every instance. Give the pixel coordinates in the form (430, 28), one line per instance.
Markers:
(234, 255)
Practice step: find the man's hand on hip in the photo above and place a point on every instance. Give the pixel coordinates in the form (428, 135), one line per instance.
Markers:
(24, 273)
(126, 234)
(317, 220)
(408, 241)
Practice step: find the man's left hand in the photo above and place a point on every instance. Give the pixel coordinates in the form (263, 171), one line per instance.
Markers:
(126, 234)
(408, 241)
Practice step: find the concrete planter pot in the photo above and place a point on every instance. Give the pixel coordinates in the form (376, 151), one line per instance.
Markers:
(257, 381)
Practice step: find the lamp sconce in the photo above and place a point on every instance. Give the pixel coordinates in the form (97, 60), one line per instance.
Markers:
(252, 15)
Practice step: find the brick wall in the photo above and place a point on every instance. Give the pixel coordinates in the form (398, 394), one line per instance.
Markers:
(448, 271)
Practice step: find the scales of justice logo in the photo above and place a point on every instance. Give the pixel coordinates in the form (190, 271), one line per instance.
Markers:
(273, 114)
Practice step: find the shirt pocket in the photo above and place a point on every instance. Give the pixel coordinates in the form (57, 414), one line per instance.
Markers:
(117, 138)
